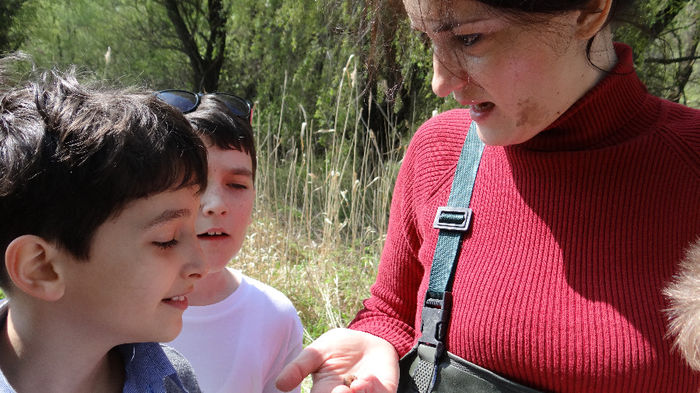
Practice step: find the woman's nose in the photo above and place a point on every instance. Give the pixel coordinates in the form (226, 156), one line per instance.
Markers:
(447, 77)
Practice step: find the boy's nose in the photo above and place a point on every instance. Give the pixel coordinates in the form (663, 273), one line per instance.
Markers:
(196, 267)
(213, 203)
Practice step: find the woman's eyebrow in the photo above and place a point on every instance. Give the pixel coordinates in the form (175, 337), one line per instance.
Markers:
(453, 24)
(447, 25)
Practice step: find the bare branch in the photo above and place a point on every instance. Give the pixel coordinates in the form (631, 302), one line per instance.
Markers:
(671, 61)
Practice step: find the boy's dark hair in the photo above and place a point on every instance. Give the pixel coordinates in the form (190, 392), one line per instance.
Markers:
(72, 157)
(213, 120)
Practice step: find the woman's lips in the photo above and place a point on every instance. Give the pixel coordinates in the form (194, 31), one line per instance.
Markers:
(481, 109)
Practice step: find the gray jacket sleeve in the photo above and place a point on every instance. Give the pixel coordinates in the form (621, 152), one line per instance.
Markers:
(185, 373)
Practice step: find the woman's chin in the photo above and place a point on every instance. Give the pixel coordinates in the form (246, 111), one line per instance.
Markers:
(494, 134)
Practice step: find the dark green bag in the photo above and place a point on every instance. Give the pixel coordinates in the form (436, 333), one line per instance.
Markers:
(428, 367)
(453, 375)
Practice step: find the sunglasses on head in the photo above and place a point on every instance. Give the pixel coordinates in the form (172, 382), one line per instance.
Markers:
(187, 101)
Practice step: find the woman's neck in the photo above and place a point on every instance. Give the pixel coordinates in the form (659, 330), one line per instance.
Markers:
(602, 54)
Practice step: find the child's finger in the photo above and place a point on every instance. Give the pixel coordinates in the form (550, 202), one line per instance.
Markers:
(308, 361)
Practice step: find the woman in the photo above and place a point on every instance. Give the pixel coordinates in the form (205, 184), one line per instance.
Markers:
(586, 195)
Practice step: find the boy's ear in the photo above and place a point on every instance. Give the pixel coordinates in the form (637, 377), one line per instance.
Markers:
(31, 265)
(592, 19)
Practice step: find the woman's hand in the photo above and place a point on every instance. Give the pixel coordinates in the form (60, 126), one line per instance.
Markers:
(344, 361)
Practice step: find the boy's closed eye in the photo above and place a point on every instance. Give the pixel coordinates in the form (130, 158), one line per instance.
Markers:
(165, 230)
(238, 185)
(238, 179)
(166, 236)
(166, 245)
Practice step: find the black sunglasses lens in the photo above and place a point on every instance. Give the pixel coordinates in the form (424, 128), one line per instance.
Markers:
(180, 99)
(235, 104)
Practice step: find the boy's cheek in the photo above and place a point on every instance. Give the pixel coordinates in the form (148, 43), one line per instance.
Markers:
(200, 223)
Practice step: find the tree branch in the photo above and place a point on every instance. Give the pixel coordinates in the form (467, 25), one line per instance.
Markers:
(658, 60)
(188, 42)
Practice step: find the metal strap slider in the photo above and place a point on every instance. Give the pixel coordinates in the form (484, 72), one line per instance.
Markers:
(453, 218)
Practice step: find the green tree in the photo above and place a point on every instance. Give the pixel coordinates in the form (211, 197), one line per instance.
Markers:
(9, 39)
(196, 28)
(290, 55)
(665, 40)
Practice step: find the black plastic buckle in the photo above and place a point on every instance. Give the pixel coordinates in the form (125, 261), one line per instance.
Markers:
(434, 322)
(453, 218)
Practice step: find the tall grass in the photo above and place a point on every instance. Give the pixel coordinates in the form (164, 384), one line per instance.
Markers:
(321, 212)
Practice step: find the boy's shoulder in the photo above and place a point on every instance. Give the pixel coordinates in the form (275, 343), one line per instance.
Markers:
(184, 371)
(156, 367)
(261, 295)
(148, 366)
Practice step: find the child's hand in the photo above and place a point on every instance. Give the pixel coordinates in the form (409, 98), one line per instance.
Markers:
(342, 357)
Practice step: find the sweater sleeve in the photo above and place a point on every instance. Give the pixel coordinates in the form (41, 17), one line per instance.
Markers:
(391, 310)
(680, 127)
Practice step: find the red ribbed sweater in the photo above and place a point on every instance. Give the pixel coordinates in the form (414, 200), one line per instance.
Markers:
(575, 234)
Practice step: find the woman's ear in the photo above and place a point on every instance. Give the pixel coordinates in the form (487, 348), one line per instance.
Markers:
(31, 264)
(593, 18)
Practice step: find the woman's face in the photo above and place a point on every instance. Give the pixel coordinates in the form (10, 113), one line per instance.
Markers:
(516, 77)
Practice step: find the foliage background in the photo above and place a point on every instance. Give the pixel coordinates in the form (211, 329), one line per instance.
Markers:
(287, 54)
(339, 87)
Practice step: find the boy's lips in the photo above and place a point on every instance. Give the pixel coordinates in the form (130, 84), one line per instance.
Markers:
(212, 234)
(179, 301)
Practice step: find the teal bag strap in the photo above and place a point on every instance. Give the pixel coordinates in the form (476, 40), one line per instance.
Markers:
(453, 221)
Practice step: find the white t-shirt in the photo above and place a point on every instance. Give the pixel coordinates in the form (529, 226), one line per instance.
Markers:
(241, 343)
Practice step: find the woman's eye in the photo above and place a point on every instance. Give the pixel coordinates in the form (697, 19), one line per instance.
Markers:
(424, 38)
(468, 39)
(166, 245)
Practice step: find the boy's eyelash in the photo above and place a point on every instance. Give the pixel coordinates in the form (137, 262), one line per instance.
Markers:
(166, 245)
(237, 186)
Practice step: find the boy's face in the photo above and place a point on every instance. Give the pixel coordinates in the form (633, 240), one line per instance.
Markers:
(226, 206)
(141, 267)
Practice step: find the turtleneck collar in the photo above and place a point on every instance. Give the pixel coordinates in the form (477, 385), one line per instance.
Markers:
(597, 119)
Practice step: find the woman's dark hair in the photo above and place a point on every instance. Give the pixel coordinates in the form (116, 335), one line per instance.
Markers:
(530, 10)
(555, 6)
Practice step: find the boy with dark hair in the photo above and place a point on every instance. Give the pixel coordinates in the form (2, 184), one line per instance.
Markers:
(239, 333)
(98, 200)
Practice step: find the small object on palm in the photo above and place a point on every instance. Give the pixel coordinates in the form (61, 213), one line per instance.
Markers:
(347, 379)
